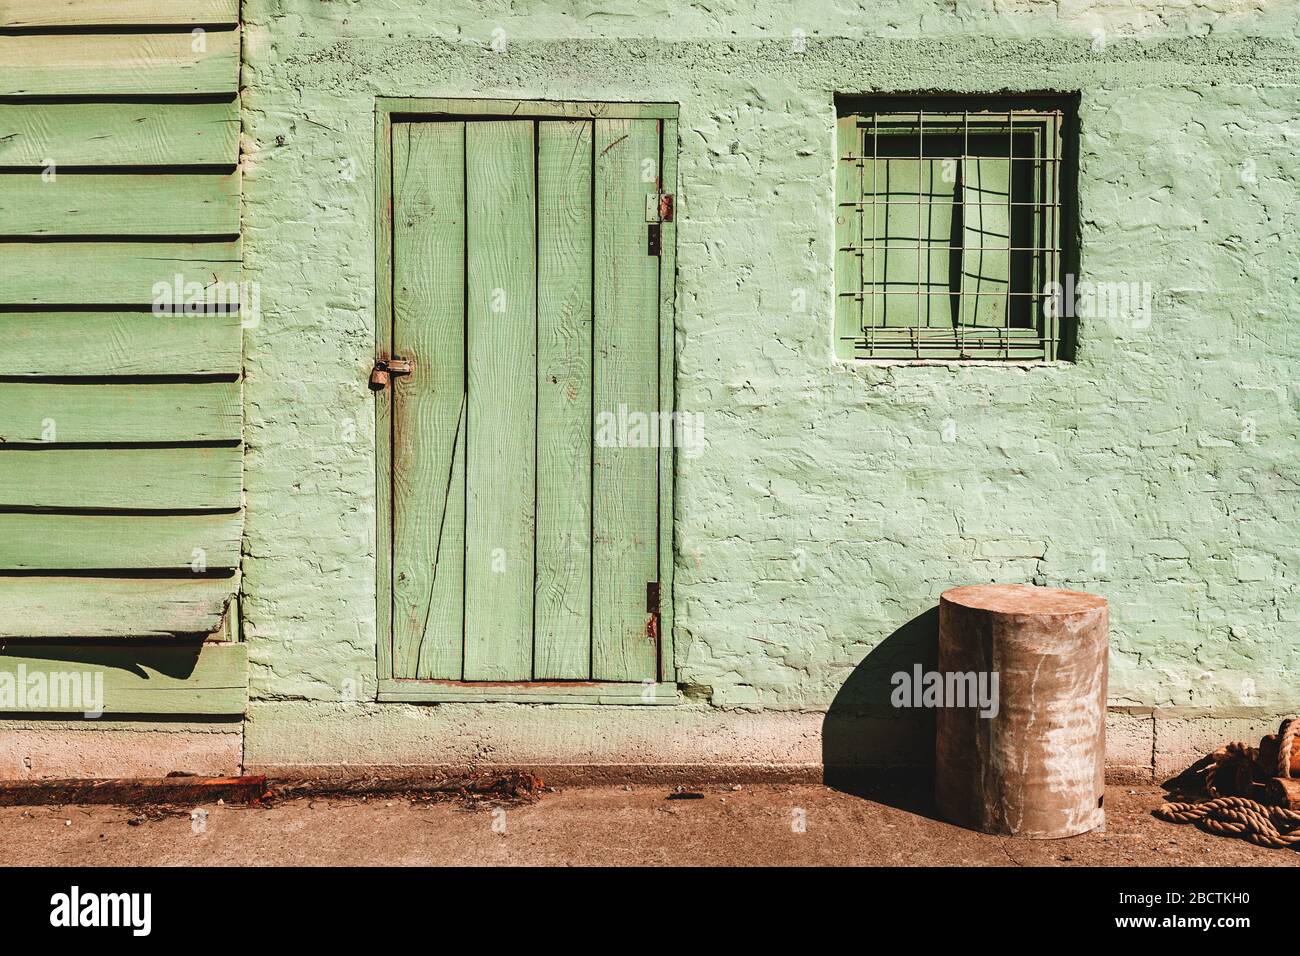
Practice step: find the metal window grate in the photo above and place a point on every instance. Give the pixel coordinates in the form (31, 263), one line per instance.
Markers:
(948, 232)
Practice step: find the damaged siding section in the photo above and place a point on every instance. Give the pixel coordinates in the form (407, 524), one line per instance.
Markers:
(120, 360)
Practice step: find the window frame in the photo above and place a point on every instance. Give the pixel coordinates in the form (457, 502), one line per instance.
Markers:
(1048, 121)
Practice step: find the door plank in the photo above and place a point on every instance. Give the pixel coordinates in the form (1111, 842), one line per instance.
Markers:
(32, 412)
(562, 638)
(145, 478)
(501, 448)
(625, 489)
(429, 407)
(119, 134)
(109, 204)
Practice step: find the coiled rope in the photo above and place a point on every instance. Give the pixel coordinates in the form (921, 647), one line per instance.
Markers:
(1231, 756)
(1274, 827)
(1285, 745)
(1261, 824)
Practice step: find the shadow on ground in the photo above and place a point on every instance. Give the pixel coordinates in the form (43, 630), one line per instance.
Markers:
(873, 749)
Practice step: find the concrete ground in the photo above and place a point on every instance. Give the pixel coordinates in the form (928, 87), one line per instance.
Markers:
(611, 825)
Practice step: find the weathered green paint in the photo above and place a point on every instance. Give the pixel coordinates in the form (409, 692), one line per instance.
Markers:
(531, 107)
(667, 402)
(117, 461)
(153, 478)
(516, 452)
(116, 458)
(619, 693)
(828, 509)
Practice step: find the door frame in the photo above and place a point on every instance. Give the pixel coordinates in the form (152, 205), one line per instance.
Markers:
(392, 109)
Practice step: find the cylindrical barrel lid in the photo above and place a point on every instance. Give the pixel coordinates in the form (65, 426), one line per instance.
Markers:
(1023, 599)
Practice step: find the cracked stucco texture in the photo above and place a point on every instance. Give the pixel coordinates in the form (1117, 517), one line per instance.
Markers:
(834, 502)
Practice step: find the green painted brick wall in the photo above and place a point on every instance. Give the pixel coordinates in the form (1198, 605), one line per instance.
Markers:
(833, 502)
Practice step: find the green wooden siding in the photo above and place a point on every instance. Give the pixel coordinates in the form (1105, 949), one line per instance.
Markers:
(107, 413)
(120, 415)
(526, 296)
(117, 343)
(83, 134)
(136, 204)
(36, 542)
(113, 273)
(103, 64)
(99, 13)
(61, 606)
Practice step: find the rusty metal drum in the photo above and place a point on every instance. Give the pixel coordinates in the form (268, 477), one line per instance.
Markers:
(1032, 764)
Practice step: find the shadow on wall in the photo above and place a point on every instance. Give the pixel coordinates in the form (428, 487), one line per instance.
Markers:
(864, 735)
(177, 659)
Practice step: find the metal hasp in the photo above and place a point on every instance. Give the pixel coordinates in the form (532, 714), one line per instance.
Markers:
(1032, 766)
(385, 370)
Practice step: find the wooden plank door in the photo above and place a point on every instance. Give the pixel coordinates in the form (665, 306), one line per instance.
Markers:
(526, 460)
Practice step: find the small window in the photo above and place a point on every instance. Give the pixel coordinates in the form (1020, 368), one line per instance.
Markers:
(948, 228)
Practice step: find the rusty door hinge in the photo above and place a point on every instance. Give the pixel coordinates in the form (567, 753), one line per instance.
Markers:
(652, 610)
(384, 371)
(659, 209)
